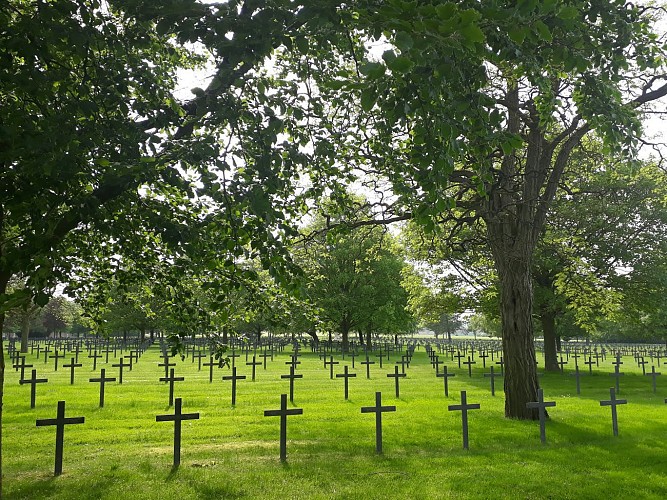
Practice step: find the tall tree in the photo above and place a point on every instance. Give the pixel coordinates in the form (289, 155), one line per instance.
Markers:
(480, 105)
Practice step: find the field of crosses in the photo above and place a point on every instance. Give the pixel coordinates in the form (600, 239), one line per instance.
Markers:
(193, 412)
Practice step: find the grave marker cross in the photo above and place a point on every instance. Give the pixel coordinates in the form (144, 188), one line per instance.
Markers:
(617, 375)
(653, 374)
(233, 377)
(57, 356)
(291, 378)
(396, 376)
(283, 414)
(346, 376)
(378, 409)
(120, 367)
(210, 365)
(167, 365)
(72, 366)
(171, 379)
(22, 366)
(102, 380)
(469, 363)
(33, 381)
(445, 375)
(464, 407)
(493, 376)
(541, 405)
(60, 422)
(254, 365)
(95, 355)
(368, 366)
(331, 364)
(613, 402)
(177, 418)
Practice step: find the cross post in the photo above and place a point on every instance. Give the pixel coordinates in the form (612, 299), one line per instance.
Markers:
(283, 414)
(60, 422)
(378, 409)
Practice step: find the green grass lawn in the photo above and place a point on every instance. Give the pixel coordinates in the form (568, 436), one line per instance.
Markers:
(233, 452)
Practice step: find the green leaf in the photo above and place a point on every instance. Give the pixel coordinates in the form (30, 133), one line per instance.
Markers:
(568, 12)
(446, 10)
(372, 70)
(403, 41)
(368, 98)
(401, 64)
(473, 33)
(517, 35)
(543, 31)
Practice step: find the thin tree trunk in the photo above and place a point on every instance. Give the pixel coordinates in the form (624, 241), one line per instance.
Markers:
(4, 279)
(548, 320)
(25, 329)
(369, 340)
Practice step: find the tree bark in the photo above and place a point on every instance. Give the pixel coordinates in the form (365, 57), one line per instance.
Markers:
(548, 320)
(25, 330)
(369, 340)
(4, 279)
(516, 299)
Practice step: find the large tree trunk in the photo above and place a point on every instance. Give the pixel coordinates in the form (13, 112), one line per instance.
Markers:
(369, 339)
(548, 320)
(516, 304)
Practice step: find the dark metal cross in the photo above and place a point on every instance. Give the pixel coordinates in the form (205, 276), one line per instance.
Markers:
(590, 364)
(464, 407)
(120, 367)
(541, 405)
(435, 363)
(22, 366)
(469, 363)
(233, 377)
(331, 364)
(493, 376)
(368, 366)
(167, 365)
(346, 376)
(95, 355)
(210, 365)
(378, 409)
(613, 402)
(177, 418)
(283, 414)
(102, 380)
(254, 365)
(445, 375)
(171, 379)
(57, 356)
(33, 381)
(643, 364)
(502, 365)
(291, 378)
(60, 422)
(72, 366)
(396, 376)
(617, 375)
(653, 374)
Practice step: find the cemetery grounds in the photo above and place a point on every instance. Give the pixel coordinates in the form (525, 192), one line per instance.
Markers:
(233, 451)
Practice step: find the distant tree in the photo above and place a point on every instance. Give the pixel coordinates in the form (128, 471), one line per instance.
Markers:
(353, 278)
